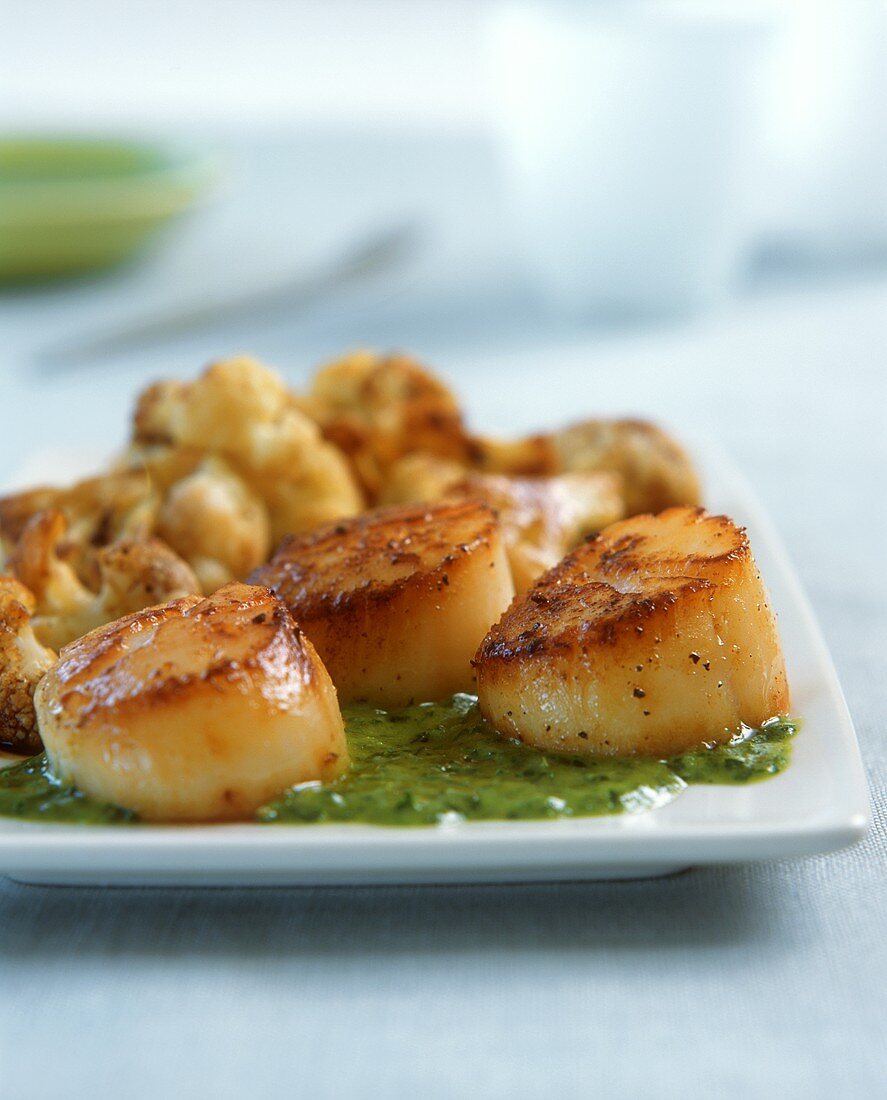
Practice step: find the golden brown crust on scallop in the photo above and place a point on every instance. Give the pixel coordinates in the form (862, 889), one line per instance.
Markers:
(562, 617)
(581, 600)
(382, 553)
(543, 518)
(206, 636)
(396, 601)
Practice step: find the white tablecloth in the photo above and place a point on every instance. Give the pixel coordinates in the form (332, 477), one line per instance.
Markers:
(747, 981)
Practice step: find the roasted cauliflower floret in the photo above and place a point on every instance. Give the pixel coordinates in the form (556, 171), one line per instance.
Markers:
(60, 597)
(97, 511)
(133, 574)
(303, 480)
(23, 661)
(532, 456)
(376, 409)
(241, 412)
(216, 523)
(139, 573)
(655, 470)
(656, 473)
(17, 509)
(419, 477)
(220, 410)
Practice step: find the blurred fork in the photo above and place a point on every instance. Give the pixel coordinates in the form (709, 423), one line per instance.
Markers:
(380, 251)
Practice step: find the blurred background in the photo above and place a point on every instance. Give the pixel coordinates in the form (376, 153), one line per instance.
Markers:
(671, 209)
(644, 204)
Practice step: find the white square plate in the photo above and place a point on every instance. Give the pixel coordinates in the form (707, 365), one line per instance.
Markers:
(818, 804)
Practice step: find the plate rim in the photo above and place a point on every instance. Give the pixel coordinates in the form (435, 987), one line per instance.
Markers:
(573, 847)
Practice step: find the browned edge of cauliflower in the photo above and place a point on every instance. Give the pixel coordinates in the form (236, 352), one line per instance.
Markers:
(23, 661)
(133, 574)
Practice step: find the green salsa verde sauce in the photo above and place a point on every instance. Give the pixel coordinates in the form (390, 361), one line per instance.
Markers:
(439, 762)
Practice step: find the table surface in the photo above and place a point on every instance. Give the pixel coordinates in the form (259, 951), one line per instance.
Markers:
(759, 980)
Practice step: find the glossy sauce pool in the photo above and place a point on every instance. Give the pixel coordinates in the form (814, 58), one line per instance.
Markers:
(441, 762)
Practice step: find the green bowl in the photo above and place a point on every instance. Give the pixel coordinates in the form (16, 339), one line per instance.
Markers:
(70, 205)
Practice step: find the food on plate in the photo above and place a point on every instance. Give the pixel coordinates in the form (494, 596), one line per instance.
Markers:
(653, 638)
(198, 710)
(441, 762)
(530, 456)
(541, 517)
(420, 477)
(223, 467)
(654, 470)
(396, 601)
(98, 511)
(383, 543)
(376, 409)
(242, 413)
(23, 661)
(216, 522)
(220, 468)
(132, 574)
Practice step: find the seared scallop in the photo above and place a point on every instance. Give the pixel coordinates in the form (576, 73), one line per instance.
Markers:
(655, 637)
(397, 600)
(197, 710)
